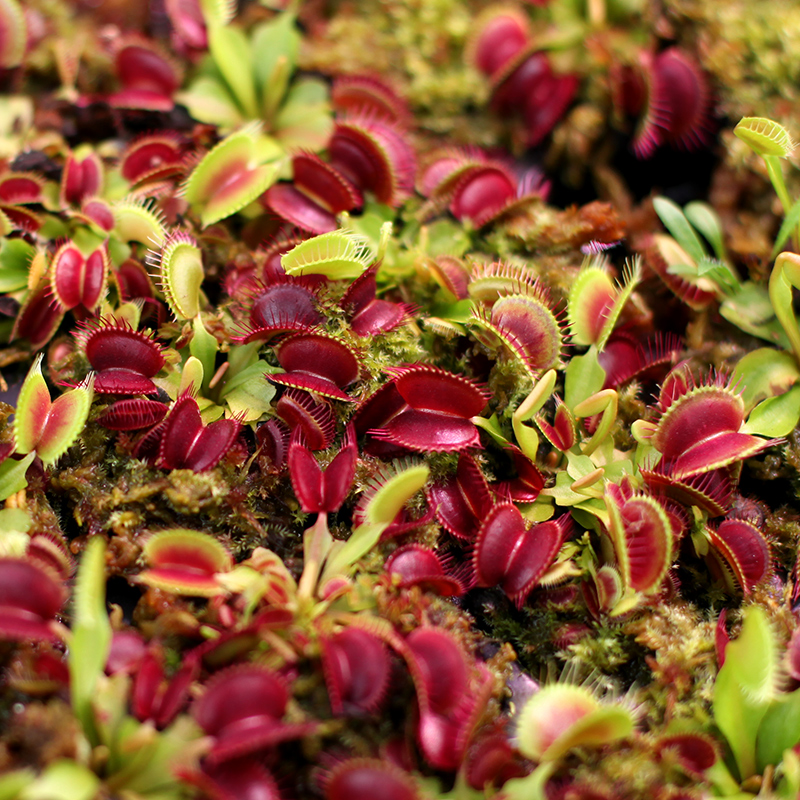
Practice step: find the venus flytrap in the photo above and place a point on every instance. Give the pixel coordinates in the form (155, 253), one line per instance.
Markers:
(79, 280)
(137, 221)
(515, 318)
(325, 559)
(186, 562)
(595, 302)
(50, 428)
(179, 267)
(557, 719)
(382, 508)
(319, 492)
(338, 255)
(772, 142)
(216, 611)
(40, 314)
(579, 484)
(233, 174)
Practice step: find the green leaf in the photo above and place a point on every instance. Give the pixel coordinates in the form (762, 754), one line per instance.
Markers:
(531, 787)
(208, 100)
(12, 475)
(790, 223)
(15, 261)
(776, 416)
(91, 633)
(390, 497)
(204, 347)
(118, 252)
(14, 520)
(579, 466)
(705, 219)
(275, 47)
(745, 687)
(241, 356)
(305, 120)
(562, 491)
(492, 427)
(63, 780)
(719, 776)
(764, 136)
(677, 224)
(109, 708)
(12, 783)
(749, 308)
(719, 272)
(87, 240)
(230, 49)
(248, 395)
(272, 40)
(309, 91)
(779, 730)
(275, 90)
(446, 238)
(461, 311)
(788, 787)
(178, 748)
(584, 377)
(135, 745)
(361, 541)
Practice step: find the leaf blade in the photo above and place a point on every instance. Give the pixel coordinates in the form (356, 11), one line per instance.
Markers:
(676, 223)
(91, 634)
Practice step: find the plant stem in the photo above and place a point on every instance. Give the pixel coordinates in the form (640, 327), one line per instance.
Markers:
(779, 184)
(785, 275)
(597, 13)
(317, 541)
